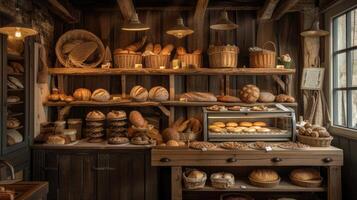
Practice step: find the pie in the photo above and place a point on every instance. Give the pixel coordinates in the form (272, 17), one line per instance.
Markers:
(234, 145)
(202, 145)
(293, 145)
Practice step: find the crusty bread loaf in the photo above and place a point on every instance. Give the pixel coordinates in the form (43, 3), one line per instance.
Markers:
(157, 49)
(139, 93)
(95, 115)
(266, 97)
(158, 93)
(136, 119)
(167, 49)
(116, 115)
(172, 143)
(198, 96)
(264, 175)
(228, 99)
(100, 95)
(305, 174)
(249, 93)
(82, 94)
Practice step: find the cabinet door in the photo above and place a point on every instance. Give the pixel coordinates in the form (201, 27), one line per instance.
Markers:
(123, 177)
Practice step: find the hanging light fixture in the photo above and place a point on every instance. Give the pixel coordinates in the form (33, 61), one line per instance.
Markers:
(315, 30)
(135, 24)
(18, 29)
(223, 23)
(179, 30)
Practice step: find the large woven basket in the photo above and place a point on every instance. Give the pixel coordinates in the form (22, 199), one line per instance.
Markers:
(265, 58)
(194, 60)
(156, 61)
(86, 36)
(315, 142)
(193, 183)
(127, 60)
(223, 56)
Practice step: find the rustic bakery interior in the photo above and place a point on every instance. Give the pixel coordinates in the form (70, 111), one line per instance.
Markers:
(178, 99)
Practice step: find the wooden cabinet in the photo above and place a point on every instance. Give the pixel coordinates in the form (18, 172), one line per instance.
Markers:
(96, 174)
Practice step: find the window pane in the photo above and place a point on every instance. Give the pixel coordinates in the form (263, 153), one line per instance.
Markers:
(340, 78)
(354, 109)
(340, 104)
(354, 27)
(354, 67)
(340, 31)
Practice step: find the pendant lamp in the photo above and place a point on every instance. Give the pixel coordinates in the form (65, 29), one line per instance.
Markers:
(18, 29)
(223, 23)
(135, 24)
(315, 30)
(179, 30)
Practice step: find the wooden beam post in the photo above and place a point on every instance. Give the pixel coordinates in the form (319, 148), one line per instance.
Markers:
(127, 8)
(267, 10)
(283, 8)
(58, 9)
(198, 23)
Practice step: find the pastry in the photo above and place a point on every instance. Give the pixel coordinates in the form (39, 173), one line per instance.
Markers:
(117, 129)
(305, 174)
(264, 175)
(216, 108)
(82, 94)
(170, 134)
(141, 140)
(14, 137)
(118, 140)
(234, 129)
(167, 49)
(115, 115)
(139, 93)
(202, 145)
(95, 140)
(219, 124)
(100, 95)
(95, 135)
(17, 67)
(260, 145)
(158, 93)
(234, 108)
(13, 99)
(91, 130)
(266, 97)
(293, 145)
(231, 124)
(157, 49)
(259, 124)
(95, 115)
(234, 145)
(222, 177)
(228, 99)
(258, 108)
(183, 126)
(199, 96)
(16, 82)
(194, 126)
(12, 123)
(94, 124)
(249, 93)
(136, 119)
(246, 124)
(172, 143)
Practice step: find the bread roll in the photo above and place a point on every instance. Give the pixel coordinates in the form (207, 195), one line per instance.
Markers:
(82, 94)
(305, 174)
(157, 49)
(136, 119)
(139, 93)
(228, 99)
(100, 95)
(158, 93)
(199, 96)
(264, 175)
(246, 124)
(167, 49)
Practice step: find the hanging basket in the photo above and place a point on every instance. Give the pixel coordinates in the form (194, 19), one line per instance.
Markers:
(264, 58)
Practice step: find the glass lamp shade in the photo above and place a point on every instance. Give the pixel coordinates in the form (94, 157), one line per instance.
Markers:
(223, 23)
(135, 25)
(314, 31)
(179, 30)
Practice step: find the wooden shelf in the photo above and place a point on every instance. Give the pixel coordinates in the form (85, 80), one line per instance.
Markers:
(193, 104)
(15, 114)
(154, 71)
(284, 186)
(15, 90)
(15, 103)
(13, 57)
(15, 74)
(17, 128)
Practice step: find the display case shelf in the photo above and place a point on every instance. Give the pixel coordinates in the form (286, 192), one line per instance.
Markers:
(13, 57)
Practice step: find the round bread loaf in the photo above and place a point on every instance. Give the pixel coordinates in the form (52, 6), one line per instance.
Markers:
(136, 119)
(158, 93)
(82, 94)
(264, 175)
(196, 174)
(100, 95)
(249, 93)
(139, 93)
(305, 174)
(266, 97)
(170, 134)
(95, 115)
(116, 115)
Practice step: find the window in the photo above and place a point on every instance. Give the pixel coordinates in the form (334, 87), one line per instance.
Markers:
(344, 39)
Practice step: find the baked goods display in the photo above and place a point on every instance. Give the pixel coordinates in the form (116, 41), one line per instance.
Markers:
(158, 93)
(117, 127)
(130, 55)
(155, 56)
(82, 94)
(314, 135)
(12, 123)
(197, 96)
(260, 145)
(14, 83)
(14, 137)
(216, 108)
(95, 126)
(222, 180)
(201, 145)
(283, 98)
(306, 177)
(142, 140)
(139, 93)
(249, 93)
(194, 179)
(136, 119)
(264, 178)
(100, 95)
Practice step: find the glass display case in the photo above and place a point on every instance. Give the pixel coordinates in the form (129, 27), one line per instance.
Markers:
(256, 123)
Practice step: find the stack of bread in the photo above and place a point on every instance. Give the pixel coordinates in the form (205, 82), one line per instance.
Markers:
(156, 57)
(189, 60)
(117, 127)
(95, 126)
(130, 55)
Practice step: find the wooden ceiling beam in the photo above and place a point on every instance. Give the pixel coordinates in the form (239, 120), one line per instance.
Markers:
(61, 11)
(127, 8)
(283, 8)
(267, 10)
(198, 22)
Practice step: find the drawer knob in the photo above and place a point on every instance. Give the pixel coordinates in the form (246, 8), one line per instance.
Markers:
(327, 160)
(276, 159)
(165, 160)
(231, 160)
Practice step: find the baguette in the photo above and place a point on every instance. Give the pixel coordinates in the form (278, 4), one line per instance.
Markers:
(167, 49)
(157, 49)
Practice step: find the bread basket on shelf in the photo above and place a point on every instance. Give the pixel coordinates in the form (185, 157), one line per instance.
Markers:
(80, 48)
(222, 180)
(263, 58)
(315, 142)
(191, 60)
(126, 60)
(194, 182)
(223, 56)
(156, 61)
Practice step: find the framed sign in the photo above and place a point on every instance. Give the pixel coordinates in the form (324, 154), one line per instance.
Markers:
(312, 78)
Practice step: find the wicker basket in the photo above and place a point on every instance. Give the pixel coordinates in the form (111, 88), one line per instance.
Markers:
(310, 183)
(193, 183)
(269, 184)
(221, 183)
(223, 56)
(79, 34)
(127, 60)
(194, 60)
(263, 59)
(315, 142)
(156, 61)
(225, 196)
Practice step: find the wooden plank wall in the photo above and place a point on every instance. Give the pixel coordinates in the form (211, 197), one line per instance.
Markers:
(106, 24)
